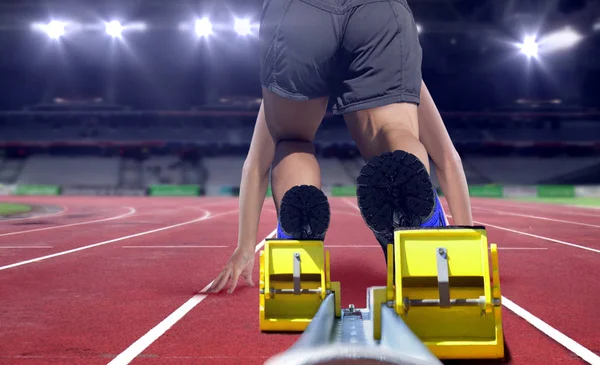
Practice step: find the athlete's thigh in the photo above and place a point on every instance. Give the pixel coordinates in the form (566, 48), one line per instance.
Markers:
(298, 44)
(292, 119)
(381, 56)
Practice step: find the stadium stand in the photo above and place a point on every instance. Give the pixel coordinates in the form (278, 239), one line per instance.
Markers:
(136, 151)
(70, 171)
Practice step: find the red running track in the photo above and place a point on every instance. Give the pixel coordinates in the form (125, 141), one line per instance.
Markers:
(91, 305)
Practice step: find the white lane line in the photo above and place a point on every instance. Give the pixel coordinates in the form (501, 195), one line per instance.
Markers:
(146, 340)
(19, 247)
(181, 246)
(538, 237)
(523, 248)
(557, 336)
(553, 333)
(536, 217)
(546, 208)
(206, 216)
(131, 211)
(379, 247)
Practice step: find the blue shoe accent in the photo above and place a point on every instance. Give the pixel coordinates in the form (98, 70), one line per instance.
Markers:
(281, 234)
(438, 218)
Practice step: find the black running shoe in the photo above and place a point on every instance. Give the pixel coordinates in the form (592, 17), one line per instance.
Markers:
(304, 214)
(395, 191)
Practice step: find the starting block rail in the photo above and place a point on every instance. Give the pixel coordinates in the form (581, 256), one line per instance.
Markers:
(440, 302)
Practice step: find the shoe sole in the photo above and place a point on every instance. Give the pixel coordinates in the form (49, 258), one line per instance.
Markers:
(394, 191)
(305, 213)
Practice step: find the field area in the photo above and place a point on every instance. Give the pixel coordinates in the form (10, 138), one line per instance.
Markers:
(8, 209)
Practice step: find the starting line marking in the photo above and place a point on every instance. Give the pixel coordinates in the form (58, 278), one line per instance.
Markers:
(146, 340)
(206, 216)
(131, 211)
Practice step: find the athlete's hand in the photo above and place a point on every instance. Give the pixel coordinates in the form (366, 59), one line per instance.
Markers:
(241, 263)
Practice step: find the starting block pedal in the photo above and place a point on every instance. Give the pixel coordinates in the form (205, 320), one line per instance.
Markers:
(294, 282)
(440, 301)
(446, 293)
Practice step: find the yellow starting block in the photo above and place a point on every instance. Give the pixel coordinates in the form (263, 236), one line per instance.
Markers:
(440, 301)
(294, 281)
(445, 293)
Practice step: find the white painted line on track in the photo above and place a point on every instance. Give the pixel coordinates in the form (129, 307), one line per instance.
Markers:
(538, 237)
(146, 340)
(536, 217)
(547, 208)
(553, 333)
(557, 336)
(379, 247)
(523, 248)
(181, 246)
(131, 211)
(206, 216)
(19, 247)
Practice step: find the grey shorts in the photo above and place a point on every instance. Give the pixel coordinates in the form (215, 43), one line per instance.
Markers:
(361, 53)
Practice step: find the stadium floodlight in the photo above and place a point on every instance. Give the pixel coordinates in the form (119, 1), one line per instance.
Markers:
(203, 27)
(55, 29)
(243, 26)
(114, 29)
(529, 47)
(419, 28)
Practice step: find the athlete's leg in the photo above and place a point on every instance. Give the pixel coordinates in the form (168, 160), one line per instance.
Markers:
(298, 46)
(379, 99)
(295, 174)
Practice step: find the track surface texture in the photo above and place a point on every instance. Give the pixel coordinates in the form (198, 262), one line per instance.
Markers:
(116, 280)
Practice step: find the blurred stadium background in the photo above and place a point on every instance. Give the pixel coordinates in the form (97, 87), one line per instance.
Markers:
(160, 97)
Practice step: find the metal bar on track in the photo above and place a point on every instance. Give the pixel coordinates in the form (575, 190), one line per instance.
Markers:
(395, 334)
(320, 328)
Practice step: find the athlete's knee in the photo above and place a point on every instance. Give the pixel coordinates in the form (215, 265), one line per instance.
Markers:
(295, 145)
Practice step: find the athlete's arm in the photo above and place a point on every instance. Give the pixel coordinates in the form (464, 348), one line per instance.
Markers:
(253, 188)
(255, 181)
(447, 162)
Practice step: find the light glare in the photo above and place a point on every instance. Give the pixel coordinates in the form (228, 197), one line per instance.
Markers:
(55, 29)
(243, 26)
(529, 47)
(114, 29)
(559, 40)
(203, 27)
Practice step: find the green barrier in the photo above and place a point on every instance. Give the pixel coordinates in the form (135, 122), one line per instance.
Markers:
(174, 190)
(37, 190)
(556, 191)
(226, 191)
(347, 190)
(486, 191)
(269, 192)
